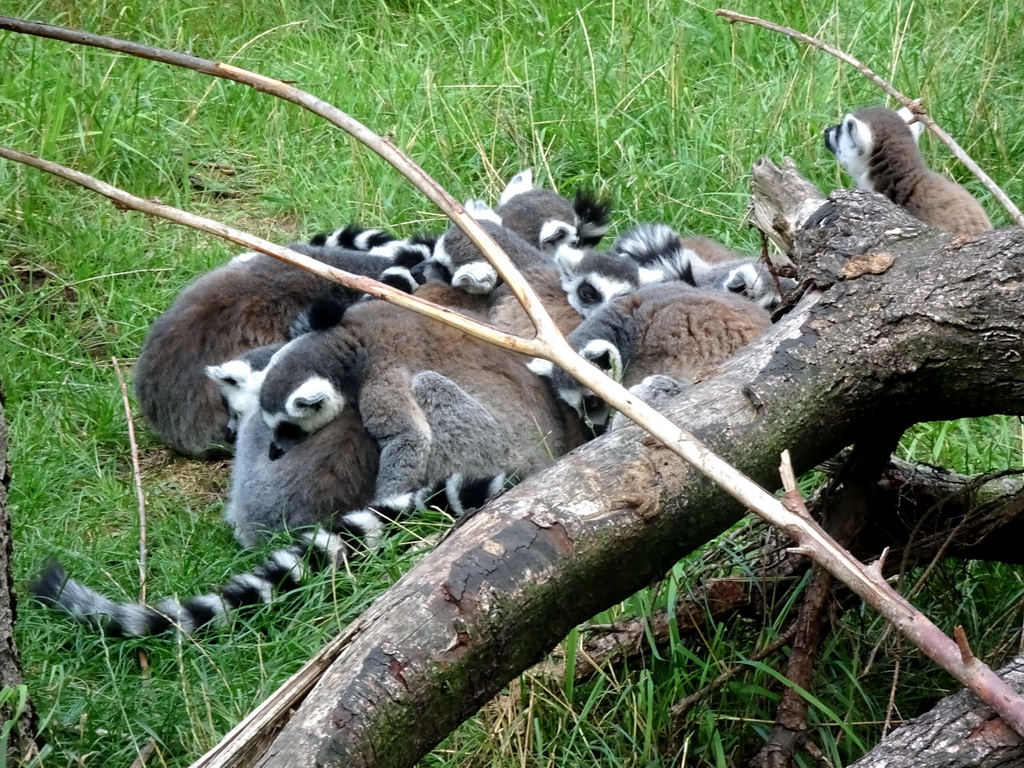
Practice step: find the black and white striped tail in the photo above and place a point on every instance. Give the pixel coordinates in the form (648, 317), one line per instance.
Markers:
(409, 255)
(656, 248)
(354, 237)
(283, 570)
(593, 218)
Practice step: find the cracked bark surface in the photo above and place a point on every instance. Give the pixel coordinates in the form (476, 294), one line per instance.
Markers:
(904, 324)
(959, 732)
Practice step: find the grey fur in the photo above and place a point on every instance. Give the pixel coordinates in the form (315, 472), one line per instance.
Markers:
(472, 272)
(743, 277)
(249, 302)
(333, 469)
(655, 253)
(879, 150)
(546, 219)
(670, 328)
(656, 390)
(541, 217)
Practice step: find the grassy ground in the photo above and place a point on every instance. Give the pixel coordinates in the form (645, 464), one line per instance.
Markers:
(657, 103)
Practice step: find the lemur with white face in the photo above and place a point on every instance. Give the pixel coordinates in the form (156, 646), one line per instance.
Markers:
(547, 220)
(655, 253)
(671, 329)
(879, 150)
(358, 425)
(249, 302)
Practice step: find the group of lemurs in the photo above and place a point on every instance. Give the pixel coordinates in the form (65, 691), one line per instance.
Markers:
(345, 413)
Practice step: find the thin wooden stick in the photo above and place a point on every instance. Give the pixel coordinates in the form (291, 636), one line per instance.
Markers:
(550, 345)
(379, 144)
(137, 472)
(913, 106)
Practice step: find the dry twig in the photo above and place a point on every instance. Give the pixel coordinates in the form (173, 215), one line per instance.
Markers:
(137, 473)
(913, 106)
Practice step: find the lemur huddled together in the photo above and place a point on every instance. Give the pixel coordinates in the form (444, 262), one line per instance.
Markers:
(346, 414)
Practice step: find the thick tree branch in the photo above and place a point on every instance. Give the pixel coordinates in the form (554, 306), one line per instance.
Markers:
(960, 732)
(938, 336)
(914, 106)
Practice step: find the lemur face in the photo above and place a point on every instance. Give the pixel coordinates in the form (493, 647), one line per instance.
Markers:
(309, 407)
(239, 388)
(852, 143)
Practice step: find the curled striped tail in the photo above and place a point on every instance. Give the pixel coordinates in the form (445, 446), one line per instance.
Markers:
(283, 570)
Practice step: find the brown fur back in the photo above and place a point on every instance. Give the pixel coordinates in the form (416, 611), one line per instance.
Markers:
(399, 344)
(688, 333)
(898, 171)
(224, 313)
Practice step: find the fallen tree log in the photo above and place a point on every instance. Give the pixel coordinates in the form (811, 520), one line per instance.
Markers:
(901, 324)
(959, 732)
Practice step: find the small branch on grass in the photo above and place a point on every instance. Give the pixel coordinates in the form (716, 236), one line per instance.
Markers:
(905, 101)
(549, 345)
(144, 754)
(891, 706)
(680, 708)
(137, 473)
(790, 730)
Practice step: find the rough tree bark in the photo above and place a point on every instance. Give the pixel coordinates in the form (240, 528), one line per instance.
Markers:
(960, 732)
(21, 744)
(904, 324)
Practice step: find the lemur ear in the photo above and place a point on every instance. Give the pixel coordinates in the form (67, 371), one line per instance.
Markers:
(521, 182)
(554, 233)
(859, 132)
(481, 211)
(736, 282)
(916, 126)
(229, 374)
(541, 367)
(605, 356)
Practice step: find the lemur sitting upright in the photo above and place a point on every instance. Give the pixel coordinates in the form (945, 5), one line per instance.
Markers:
(879, 150)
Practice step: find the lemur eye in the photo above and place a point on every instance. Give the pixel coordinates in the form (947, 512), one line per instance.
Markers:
(849, 125)
(592, 404)
(736, 286)
(588, 294)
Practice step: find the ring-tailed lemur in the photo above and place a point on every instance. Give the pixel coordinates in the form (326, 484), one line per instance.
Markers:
(879, 150)
(655, 253)
(547, 220)
(248, 302)
(358, 425)
(541, 219)
(239, 381)
(670, 329)
(472, 273)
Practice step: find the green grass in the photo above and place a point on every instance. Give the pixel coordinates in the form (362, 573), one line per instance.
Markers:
(658, 104)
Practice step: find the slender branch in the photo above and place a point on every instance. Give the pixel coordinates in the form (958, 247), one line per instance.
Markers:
(125, 200)
(550, 345)
(385, 148)
(137, 472)
(904, 100)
